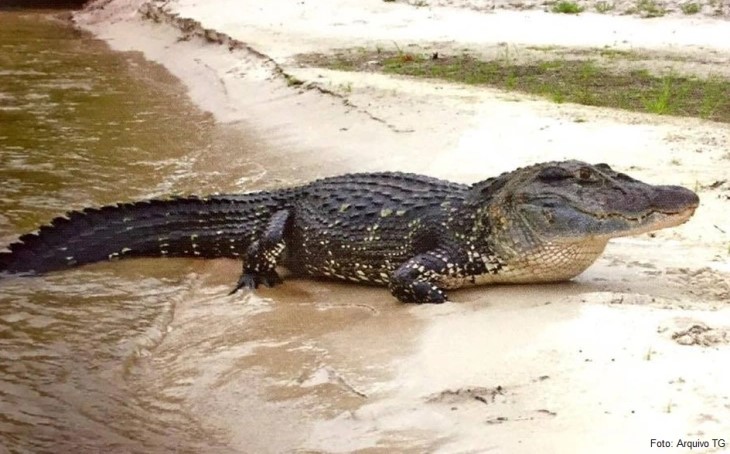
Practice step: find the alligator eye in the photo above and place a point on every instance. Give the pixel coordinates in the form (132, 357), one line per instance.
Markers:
(585, 174)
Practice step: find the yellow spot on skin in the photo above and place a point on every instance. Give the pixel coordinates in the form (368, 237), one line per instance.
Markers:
(344, 207)
(385, 212)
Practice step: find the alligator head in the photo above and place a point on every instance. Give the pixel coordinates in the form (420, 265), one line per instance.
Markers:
(570, 200)
(554, 219)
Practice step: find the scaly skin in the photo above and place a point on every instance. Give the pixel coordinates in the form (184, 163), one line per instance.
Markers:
(415, 234)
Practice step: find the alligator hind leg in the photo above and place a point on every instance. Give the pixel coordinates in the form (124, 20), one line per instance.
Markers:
(415, 280)
(259, 266)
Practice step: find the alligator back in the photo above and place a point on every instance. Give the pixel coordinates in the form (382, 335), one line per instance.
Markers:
(360, 227)
(216, 226)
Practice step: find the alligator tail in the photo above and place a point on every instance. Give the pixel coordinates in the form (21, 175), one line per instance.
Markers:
(218, 226)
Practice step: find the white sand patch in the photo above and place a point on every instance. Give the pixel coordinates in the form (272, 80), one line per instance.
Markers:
(280, 27)
(638, 8)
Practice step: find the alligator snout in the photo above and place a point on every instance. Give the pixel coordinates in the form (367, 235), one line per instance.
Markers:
(674, 199)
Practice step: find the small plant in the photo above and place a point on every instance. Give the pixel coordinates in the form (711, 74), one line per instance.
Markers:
(567, 7)
(557, 97)
(648, 355)
(717, 7)
(648, 9)
(613, 54)
(292, 81)
(603, 7)
(712, 98)
(660, 104)
(690, 8)
(588, 70)
(553, 65)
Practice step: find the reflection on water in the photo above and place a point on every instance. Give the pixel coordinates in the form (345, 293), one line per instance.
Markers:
(81, 126)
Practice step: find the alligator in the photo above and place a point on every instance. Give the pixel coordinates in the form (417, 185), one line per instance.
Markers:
(417, 235)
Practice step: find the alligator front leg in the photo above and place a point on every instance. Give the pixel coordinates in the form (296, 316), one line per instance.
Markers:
(259, 266)
(416, 280)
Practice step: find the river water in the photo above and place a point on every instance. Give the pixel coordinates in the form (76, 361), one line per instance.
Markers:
(80, 126)
(152, 355)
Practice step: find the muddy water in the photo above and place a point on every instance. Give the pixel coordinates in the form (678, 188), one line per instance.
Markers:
(152, 355)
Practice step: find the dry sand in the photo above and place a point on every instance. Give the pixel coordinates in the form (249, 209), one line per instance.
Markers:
(635, 348)
(638, 8)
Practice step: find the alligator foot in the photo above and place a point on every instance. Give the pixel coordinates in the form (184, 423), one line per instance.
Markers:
(415, 280)
(420, 293)
(249, 280)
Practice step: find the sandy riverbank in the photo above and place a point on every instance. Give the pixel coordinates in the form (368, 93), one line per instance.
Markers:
(636, 348)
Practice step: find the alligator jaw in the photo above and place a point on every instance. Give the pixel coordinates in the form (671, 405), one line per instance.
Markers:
(654, 220)
(664, 207)
(645, 209)
(574, 201)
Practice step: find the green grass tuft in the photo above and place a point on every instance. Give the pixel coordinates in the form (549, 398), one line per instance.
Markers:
(647, 8)
(567, 7)
(690, 8)
(604, 6)
(292, 81)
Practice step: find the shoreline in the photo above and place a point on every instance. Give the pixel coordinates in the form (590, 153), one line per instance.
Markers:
(511, 368)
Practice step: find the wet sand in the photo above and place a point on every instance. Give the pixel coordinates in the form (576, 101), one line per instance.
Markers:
(635, 348)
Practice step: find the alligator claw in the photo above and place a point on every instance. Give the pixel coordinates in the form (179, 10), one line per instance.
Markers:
(245, 281)
(418, 293)
(270, 279)
(253, 280)
(425, 292)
